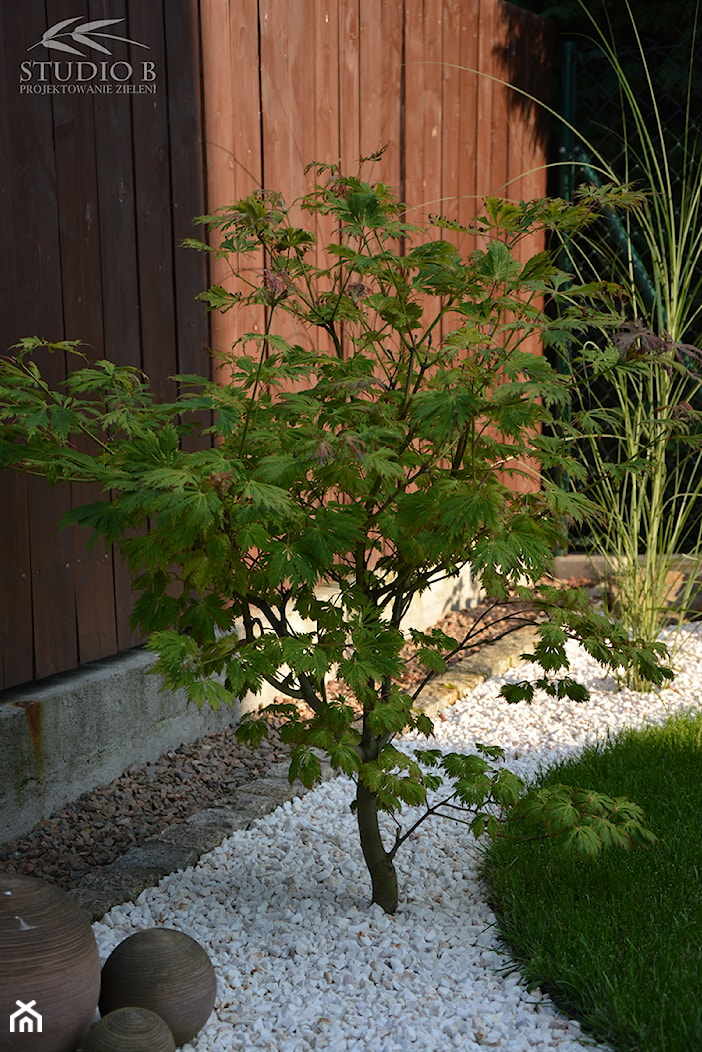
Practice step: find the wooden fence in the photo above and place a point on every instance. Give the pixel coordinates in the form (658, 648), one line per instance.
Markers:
(98, 189)
(334, 80)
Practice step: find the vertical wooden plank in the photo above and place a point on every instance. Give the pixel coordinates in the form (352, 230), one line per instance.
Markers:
(183, 73)
(232, 109)
(349, 84)
(16, 165)
(289, 112)
(53, 603)
(498, 68)
(327, 129)
(451, 129)
(423, 124)
(119, 269)
(16, 636)
(381, 88)
(456, 134)
(34, 306)
(153, 208)
(518, 162)
(468, 159)
(486, 95)
(114, 155)
(90, 570)
(423, 117)
(326, 116)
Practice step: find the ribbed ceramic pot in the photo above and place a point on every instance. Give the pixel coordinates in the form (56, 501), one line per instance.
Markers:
(49, 968)
(166, 971)
(130, 1030)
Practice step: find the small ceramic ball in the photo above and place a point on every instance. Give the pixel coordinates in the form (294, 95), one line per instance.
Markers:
(49, 967)
(165, 971)
(129, 1030)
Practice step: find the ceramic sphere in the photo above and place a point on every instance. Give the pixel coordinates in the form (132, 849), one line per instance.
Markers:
(166, 971)
(130, 1030)
(49, 967)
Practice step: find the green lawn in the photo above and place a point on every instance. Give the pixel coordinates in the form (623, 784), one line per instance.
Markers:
(617, 942)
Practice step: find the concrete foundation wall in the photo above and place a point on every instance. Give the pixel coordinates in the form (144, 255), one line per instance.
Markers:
(61, 737)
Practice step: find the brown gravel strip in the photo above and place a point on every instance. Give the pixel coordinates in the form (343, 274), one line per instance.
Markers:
(101, 825)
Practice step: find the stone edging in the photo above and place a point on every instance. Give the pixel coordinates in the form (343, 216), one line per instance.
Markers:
(180, 845)
(491, 660)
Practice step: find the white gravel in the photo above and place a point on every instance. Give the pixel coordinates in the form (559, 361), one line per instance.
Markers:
(304, 963)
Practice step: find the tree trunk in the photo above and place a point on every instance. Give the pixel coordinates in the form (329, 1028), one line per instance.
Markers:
(380, 866)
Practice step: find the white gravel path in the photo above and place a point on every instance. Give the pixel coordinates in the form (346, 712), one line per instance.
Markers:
(303, 963)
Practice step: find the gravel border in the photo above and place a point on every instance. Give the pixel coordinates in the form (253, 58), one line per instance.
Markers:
(305, 964)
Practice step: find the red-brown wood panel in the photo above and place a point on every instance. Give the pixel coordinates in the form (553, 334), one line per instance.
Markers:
(497, 65)
(232, 114)
(380, 87)
(485, 127)
(289, 110)
(423, 107)
(349, 75)
(457, 128)
(452, 124)
(467, 188)
(327, 126)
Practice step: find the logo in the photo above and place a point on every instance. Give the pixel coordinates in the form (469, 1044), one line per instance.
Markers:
(86, 74)
(81, 35)
(25, 1020)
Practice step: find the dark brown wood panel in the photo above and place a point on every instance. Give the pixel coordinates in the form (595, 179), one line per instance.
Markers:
(185, 123)
(119, 270)
(89, 570)
(154, 212)
(18, 260)
(98, 190)
(32, 288)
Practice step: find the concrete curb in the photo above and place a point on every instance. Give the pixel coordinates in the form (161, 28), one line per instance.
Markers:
(180, 845)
